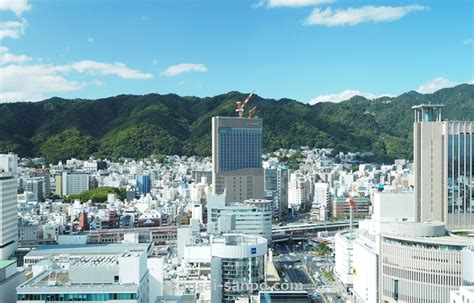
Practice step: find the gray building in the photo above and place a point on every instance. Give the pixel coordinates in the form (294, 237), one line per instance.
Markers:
(444, 165)
(276, 186)
(36, 186)
(237, 158)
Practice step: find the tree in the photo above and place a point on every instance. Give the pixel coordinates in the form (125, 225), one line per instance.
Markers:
(322, 249)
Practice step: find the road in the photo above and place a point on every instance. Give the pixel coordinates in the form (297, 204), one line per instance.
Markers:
(297, 267)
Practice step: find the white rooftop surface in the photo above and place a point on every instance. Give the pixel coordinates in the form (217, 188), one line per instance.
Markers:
(88, 249)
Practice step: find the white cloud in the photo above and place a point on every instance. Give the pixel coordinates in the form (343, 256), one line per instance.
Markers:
(175, 70)
(12, 29)
(6, 57)
(16, 6)
(354, 16)
(35, 81)
(296, 3)
(32, 82)
(468, 41)
(426, 88)
(435, 85)
(99, 68)
(345, 95)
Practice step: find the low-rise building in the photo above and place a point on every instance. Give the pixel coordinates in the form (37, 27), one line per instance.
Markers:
(87, 273)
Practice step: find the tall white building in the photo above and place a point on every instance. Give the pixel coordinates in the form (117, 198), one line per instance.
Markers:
(443, 161)
(8, 205)
(300, 191)
(321, 202)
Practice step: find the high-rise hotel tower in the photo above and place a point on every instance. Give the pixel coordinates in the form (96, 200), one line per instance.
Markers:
(444, 166)
(237, 158)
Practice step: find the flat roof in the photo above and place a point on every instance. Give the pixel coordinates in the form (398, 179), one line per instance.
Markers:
(428, 106)
(440, 241)
(88, 249)
(5, 263)
(58, 281)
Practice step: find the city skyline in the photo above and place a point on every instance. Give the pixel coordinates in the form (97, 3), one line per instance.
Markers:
(305, 50)
(200, 152)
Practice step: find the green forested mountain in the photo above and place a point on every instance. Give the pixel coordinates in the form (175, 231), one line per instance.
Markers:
(138, 126)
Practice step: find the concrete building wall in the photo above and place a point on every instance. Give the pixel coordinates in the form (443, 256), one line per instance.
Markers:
(365, 270)
(392, 207)
(418, 273)
(10, 278)
(344, 256)
(8, 215)
(443, 165)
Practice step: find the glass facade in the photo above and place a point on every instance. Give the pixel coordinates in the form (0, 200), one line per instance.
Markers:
(460, 171)
(77, 297)
(238, 276)
(284, 297)
(239, 148)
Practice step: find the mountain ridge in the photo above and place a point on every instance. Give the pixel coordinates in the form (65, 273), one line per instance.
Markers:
(140, 125)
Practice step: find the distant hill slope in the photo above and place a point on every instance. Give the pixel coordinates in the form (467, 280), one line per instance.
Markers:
(138, 126)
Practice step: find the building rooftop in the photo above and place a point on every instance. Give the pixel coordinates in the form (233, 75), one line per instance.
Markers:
(5, 263)
(88, 249)
(60, 280)
(427, 106)
(442, 241)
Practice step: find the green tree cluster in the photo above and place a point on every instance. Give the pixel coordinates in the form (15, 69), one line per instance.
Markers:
(97, 195)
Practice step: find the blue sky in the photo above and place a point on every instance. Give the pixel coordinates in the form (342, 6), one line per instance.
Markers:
(302, 49)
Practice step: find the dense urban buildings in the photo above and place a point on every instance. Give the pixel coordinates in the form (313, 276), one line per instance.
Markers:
(319, 227)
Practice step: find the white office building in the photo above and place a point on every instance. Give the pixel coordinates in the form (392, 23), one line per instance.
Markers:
(443, 161)
(238, 261)
(8, 205)
(252, 217)
(74, 183)
(465, 294)
(320, 208)
(300, 191)
(391, 258)
(344, 258)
